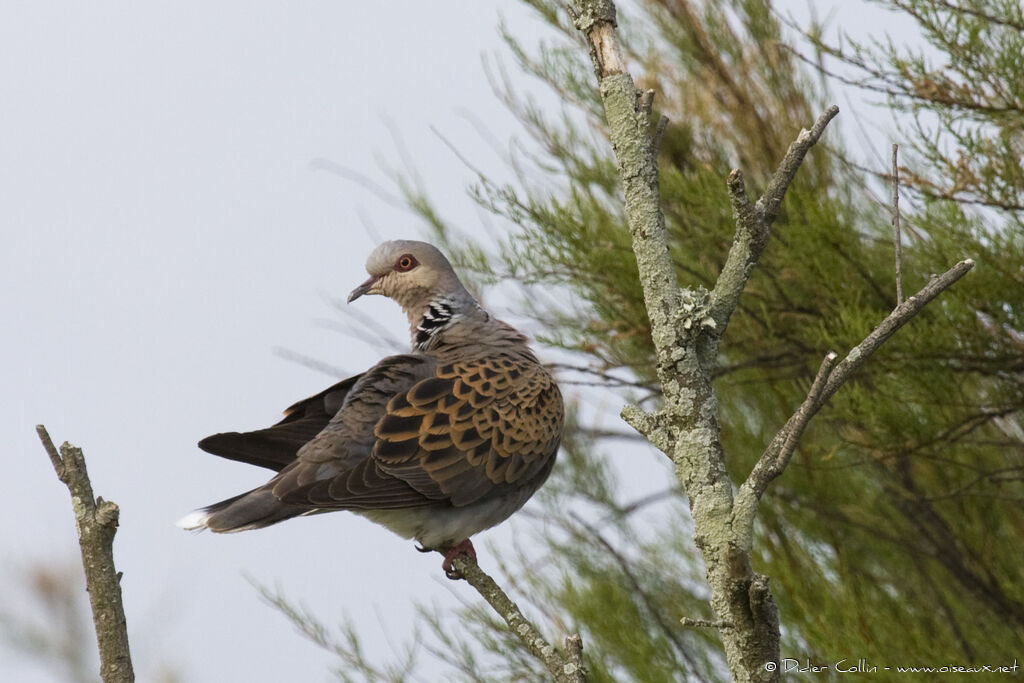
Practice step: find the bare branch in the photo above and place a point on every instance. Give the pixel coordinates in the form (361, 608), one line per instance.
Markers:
(96, 521)
(784, 174)
(51, 450)
(828, 381)
(703, 623)
(897, 240)
(803, 416)
(893, 322)
(565, 668)
(686, 325)
(776, 457)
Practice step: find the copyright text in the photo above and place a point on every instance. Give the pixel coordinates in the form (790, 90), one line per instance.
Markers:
(863, 666)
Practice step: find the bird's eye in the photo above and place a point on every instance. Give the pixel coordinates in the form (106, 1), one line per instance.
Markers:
(406, 262)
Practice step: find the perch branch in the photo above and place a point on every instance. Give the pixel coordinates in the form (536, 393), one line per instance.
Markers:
(565, 668)
(96, 522)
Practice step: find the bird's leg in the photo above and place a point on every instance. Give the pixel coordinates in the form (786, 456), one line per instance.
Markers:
(464, 548)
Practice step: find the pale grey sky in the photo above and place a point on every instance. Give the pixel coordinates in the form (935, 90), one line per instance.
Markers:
(161, 232)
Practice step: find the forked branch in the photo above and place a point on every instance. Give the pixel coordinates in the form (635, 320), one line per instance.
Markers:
(686, 326)
(96, 521)
(827, 382)
(754, 221)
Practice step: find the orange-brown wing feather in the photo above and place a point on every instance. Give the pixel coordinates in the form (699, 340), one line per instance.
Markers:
(475, 428)
(452, 433)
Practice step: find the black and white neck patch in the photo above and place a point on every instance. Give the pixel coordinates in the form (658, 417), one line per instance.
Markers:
(437, 316)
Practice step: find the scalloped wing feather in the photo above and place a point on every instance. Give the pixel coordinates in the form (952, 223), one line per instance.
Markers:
(486, 426)
(457, 433)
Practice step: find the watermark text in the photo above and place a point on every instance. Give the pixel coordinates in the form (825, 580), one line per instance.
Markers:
(853, 665)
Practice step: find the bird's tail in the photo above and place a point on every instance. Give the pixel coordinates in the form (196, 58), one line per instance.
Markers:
(251, 510)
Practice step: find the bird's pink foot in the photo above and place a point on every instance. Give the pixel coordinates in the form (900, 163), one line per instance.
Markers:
(464, 548)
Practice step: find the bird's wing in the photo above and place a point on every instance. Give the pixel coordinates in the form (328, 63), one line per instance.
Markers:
(342, 450)
(454, 433)
(276, 447)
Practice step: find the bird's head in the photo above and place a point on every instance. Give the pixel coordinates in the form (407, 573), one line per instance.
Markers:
(412, 273)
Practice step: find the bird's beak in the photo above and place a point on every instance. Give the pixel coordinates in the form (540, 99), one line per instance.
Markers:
(363, 288)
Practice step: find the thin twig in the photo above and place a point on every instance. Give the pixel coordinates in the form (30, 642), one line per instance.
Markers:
(779, 452)
(893, 322)
(774, 193)
(754, 220)
(897, 238)
(96, 522)
(703, 623)
(51, 450)
(309, 362)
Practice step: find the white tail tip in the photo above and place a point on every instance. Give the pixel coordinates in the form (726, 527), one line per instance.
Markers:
(194, 520)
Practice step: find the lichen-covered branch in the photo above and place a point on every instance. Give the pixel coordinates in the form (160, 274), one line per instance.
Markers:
(893, 322)
(754, 220)
(565, 667)
(96, 522)
(684, 334)
(628, 113)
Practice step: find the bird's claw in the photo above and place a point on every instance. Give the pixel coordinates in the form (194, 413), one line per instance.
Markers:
(464, 548)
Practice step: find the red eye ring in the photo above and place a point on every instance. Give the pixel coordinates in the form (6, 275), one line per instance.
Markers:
(405, 263)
